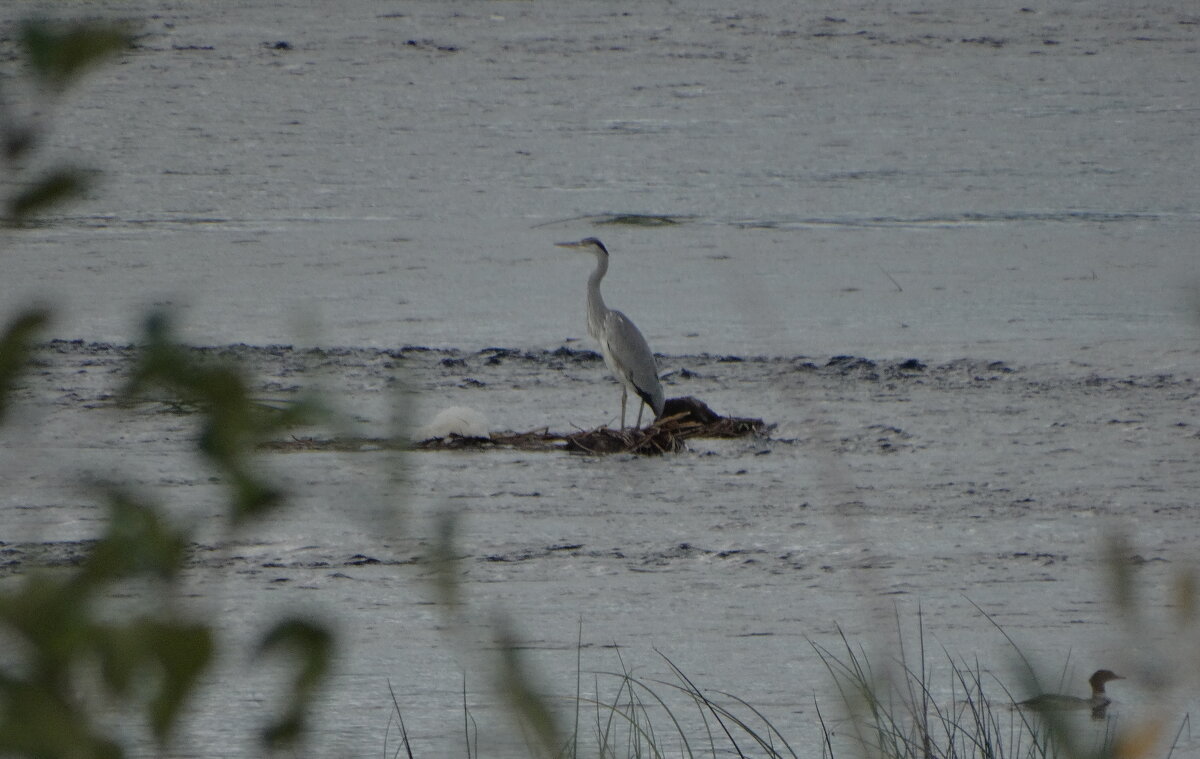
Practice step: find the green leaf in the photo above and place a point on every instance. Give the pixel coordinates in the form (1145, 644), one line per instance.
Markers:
(51, 615)
(446, 565)
(182, 652)
(39, 722)
(168, 655)
(312, 646)
(233, 422)
(18, 140)
(59, 52)
(515, 684)
(138, 541)
(54, 188)
(16, 344)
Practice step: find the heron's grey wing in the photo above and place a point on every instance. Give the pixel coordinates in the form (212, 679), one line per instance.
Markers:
(634, 358)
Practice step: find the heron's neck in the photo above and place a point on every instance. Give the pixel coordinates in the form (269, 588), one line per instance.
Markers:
(595, 302)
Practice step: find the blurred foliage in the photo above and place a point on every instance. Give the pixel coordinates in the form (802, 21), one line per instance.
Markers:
(1163, 656)
(513, 678)
(895, 711)
(111, 631)
(515, 683)
(52, 188)
(233, 422)
(58, 54)
(15, 345)
(64, 641)
(311, 645)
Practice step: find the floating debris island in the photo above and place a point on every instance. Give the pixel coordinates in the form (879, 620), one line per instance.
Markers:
(682, 418)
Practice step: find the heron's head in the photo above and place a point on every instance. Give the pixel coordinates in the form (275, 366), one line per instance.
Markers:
(588, 245)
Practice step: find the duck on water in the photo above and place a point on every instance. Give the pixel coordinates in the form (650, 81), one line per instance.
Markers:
(1097, 703)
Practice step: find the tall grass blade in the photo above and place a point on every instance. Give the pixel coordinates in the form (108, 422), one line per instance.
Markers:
(404, 742)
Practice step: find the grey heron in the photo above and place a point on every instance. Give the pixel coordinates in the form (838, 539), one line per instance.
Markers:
(624, 349)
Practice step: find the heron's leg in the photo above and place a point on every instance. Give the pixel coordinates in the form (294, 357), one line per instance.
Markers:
(641, 408)
(624, 393)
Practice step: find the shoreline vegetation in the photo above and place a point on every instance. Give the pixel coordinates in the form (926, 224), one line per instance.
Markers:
(883, 709)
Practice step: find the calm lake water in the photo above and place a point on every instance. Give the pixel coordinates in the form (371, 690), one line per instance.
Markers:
(1007, 195)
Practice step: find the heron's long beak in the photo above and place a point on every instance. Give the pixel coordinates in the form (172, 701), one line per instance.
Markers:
(576, 244)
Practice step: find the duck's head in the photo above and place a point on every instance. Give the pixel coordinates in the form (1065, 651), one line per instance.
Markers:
(1100, 677)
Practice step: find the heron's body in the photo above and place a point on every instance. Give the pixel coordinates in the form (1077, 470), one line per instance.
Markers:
(625, 351)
